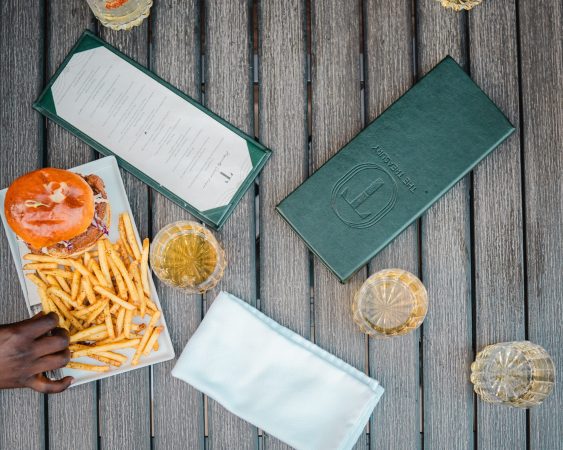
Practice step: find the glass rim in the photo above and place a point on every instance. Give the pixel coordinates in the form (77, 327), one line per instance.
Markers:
(164, 236)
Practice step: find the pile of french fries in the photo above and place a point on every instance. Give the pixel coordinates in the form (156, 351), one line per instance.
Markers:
(97, 295)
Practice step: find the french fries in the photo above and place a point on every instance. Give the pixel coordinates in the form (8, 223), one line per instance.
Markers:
(82, 335)
(91, 367)
(145, 267)
(145, 338)
(59, 273)
(102, 257)
(102, 298)
(125, 343)
(47, 259)
(38, 281)
(125, 275)
(40, 266)
(131, 240)
(152, 340)
(74, 285)
(87, 286)
(114, 298)
(109, 322)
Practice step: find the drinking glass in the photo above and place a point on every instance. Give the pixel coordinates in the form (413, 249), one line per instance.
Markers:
(458, 5)
(187, 256)
(120, 14)
(391, 302)
(519, 374)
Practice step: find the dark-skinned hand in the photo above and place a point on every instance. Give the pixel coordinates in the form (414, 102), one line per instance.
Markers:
(31, 347)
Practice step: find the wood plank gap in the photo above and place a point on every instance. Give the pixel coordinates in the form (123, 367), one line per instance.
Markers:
(43, 158)
(414, 42)
(473, 291)
(309, 162)
(43, 119)
(255, 93)
(523, 194)
(415, 71)
(46, 421)
(257, 244)
(202, 31)
(363, 115)
(203, 71)
(361, 50)
(150, 65)
(421, 378)
(151, 406)
(98, 416)
(206, 422)
(523, 172)
(472, 273)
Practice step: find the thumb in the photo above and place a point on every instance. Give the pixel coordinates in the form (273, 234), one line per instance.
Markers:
(41, 383)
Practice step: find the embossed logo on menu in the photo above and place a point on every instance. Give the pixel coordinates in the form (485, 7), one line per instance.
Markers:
(364, 195)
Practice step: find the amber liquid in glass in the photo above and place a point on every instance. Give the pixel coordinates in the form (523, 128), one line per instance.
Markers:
(188, 260)
(186, 255)
(391, 302)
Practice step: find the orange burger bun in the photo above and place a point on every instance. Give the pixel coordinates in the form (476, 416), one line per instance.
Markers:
(57, 212)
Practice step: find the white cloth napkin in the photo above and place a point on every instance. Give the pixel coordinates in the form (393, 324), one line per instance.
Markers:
(275, 379)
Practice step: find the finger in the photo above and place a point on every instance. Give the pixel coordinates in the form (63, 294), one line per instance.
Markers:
(52, 362)
(46, 345)
(41, 383)
(38, 326)
(60, 332)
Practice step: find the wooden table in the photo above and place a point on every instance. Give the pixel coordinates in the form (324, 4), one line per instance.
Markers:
(304, 77)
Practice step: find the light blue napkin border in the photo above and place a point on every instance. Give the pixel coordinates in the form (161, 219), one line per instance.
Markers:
(295, 338)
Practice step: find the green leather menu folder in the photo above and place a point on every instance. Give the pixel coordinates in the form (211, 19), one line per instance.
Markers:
(162, 136)
(395, 169)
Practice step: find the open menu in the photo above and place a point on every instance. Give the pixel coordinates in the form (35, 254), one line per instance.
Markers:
(164, 137)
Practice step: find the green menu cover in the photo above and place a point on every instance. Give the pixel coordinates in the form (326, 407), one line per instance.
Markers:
(395, 169)
(162, 136)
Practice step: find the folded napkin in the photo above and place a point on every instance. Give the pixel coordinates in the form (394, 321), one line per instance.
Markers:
(275, 379)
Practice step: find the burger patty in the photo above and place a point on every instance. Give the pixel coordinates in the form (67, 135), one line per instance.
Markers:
(93, 232)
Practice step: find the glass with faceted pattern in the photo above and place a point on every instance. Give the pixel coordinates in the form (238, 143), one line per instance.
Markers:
(392, 302)
(519, 374)
(187, 256)
(120, 14)
(459, 5)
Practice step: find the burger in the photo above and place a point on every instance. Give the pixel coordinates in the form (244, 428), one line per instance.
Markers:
(57, 212)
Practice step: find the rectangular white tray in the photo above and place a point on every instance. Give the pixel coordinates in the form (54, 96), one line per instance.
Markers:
(107, 169)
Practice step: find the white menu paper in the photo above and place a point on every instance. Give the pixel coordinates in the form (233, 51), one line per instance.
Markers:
(150, 127)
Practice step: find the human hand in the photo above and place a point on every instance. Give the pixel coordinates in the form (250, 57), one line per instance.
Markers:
(26, 351)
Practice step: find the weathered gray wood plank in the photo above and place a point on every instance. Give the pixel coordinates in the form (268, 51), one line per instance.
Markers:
(498, 269)
(336, 118)
(77, 407)
(125, 400)
(21, 411)
(447, 339)
(541, 37)
(228, 92)
(394, 362)
(284, 259)
(177, 407)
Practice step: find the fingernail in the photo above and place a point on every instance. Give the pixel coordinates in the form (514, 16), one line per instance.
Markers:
(72, 380)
